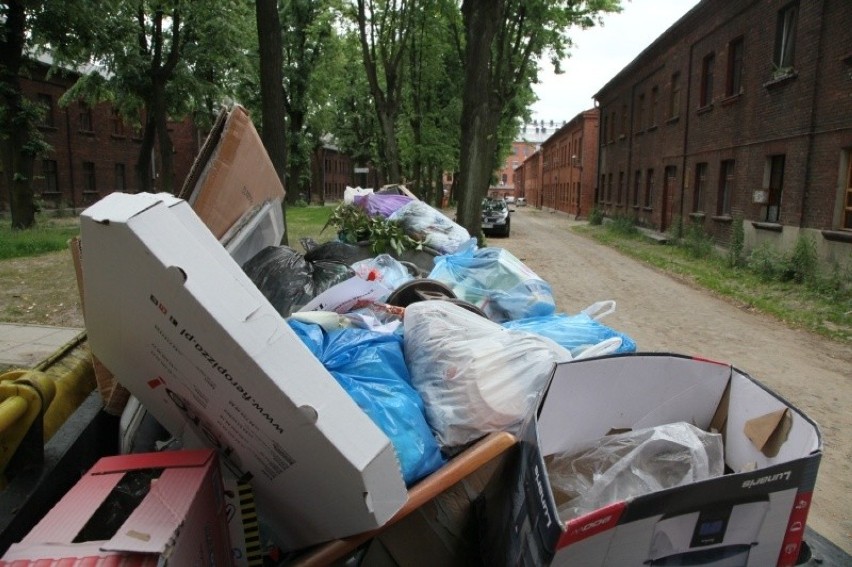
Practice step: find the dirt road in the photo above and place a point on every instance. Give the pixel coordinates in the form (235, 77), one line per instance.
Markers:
(663, 314)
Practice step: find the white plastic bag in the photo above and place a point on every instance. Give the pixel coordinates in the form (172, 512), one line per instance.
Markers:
(475, 377)
(632, 464)
(350, 193)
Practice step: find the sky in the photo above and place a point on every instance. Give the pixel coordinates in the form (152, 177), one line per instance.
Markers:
(599, 53)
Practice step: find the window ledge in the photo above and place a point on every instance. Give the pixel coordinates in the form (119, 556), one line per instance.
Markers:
(704, 109)
(639, 132)
(622, 137)
(731, 99)
(673, 120)
(648, 209)
(651, 128)
(837, 235)
(780, 79)
(47, 128)
(771, 226)
(723, 218)
(697, 215)
(117, 136)
(636, 207)
(89, 133)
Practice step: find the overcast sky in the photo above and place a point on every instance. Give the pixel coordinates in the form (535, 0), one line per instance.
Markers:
(600, 53)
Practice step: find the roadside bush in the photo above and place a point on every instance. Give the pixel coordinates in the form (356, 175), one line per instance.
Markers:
(300, 203)
(596, 217)
(767, 262)
(623, 226)
(735, 250)
(698, 243)
(802, 264)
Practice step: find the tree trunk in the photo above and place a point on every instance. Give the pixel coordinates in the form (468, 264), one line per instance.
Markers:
(15, 133)
(271, 91)
(166, 152)
(143, 163)
(295, 165)
(479, 126)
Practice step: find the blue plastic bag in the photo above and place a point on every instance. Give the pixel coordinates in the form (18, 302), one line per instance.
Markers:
(574, 332)
(495, 281)
(371, 368)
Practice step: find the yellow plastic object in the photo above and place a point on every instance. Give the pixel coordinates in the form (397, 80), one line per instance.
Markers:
(23, 396)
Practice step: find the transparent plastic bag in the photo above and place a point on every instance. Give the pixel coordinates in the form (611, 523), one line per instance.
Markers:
(380, 204)
(371, 368)
(495, 281)
(385, 269)
(474, 376)
(631, 464)
(430, 226)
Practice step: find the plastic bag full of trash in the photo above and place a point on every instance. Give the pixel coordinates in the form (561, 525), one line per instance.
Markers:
(474, 376)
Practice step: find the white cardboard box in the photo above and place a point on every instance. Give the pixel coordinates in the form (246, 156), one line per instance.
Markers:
(753, 516)
(176, 320)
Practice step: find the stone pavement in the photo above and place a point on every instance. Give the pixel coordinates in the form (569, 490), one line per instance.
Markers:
(24, 346)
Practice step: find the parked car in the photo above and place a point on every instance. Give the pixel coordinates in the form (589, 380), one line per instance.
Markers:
(521, 202)
(510, 200)
(495, 217)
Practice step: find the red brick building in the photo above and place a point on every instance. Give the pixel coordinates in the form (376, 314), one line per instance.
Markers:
(505, 185)
(568, 162)
(529, 181)
(332, 171)
(739, 109)
(93, 151)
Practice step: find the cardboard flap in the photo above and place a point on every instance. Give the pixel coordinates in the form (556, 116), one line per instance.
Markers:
(237, 176)
(136, 461)
(768, 432)
(154, 525)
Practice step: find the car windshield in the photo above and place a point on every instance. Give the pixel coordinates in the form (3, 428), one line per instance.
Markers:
(493, 205)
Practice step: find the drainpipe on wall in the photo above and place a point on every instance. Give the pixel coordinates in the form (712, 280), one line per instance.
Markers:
(809, 156)
(686, 113)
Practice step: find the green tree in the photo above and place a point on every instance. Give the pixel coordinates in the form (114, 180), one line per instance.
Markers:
(429, 146)
(504, 43)
(384, 27)
(159, 59)
(307, 33)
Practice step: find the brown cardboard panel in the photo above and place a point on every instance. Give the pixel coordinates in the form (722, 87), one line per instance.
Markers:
(236, 177)
(768, 432)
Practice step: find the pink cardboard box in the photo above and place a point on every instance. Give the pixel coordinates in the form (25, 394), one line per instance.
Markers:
(170, 507)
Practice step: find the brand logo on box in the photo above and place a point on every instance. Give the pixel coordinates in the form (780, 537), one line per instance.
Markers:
(752, 482)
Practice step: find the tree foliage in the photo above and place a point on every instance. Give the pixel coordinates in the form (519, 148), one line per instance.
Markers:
(157, 60)
(505, 40)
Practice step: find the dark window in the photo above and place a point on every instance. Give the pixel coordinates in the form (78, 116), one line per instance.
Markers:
(785, 37)
(620, 186)
(603, 196)
(637, 185)
(623, 119)
(120, 178)
(85, 117)
(640, 113)
(89, 184)
(604, 131)
(46, 102)
(51, 178)
(707, 80)
(612, 126)
(674, 96)
(609, 187)
(735, 67)
(726, 187)
(772, 212)
(652, 107)
(117, 123)
(700, 188)
(649, 189)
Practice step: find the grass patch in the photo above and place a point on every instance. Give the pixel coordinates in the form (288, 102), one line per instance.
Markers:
(48, 235)
(307, 222)
(824, 309)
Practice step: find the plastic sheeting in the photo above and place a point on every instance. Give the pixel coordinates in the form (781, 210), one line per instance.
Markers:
(577, 332)
(430, 226)
(631, 464)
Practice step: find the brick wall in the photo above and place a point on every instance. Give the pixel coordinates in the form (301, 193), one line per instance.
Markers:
(803, 114)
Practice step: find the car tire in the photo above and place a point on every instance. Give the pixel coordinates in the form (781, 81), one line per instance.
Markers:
(506, 229)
